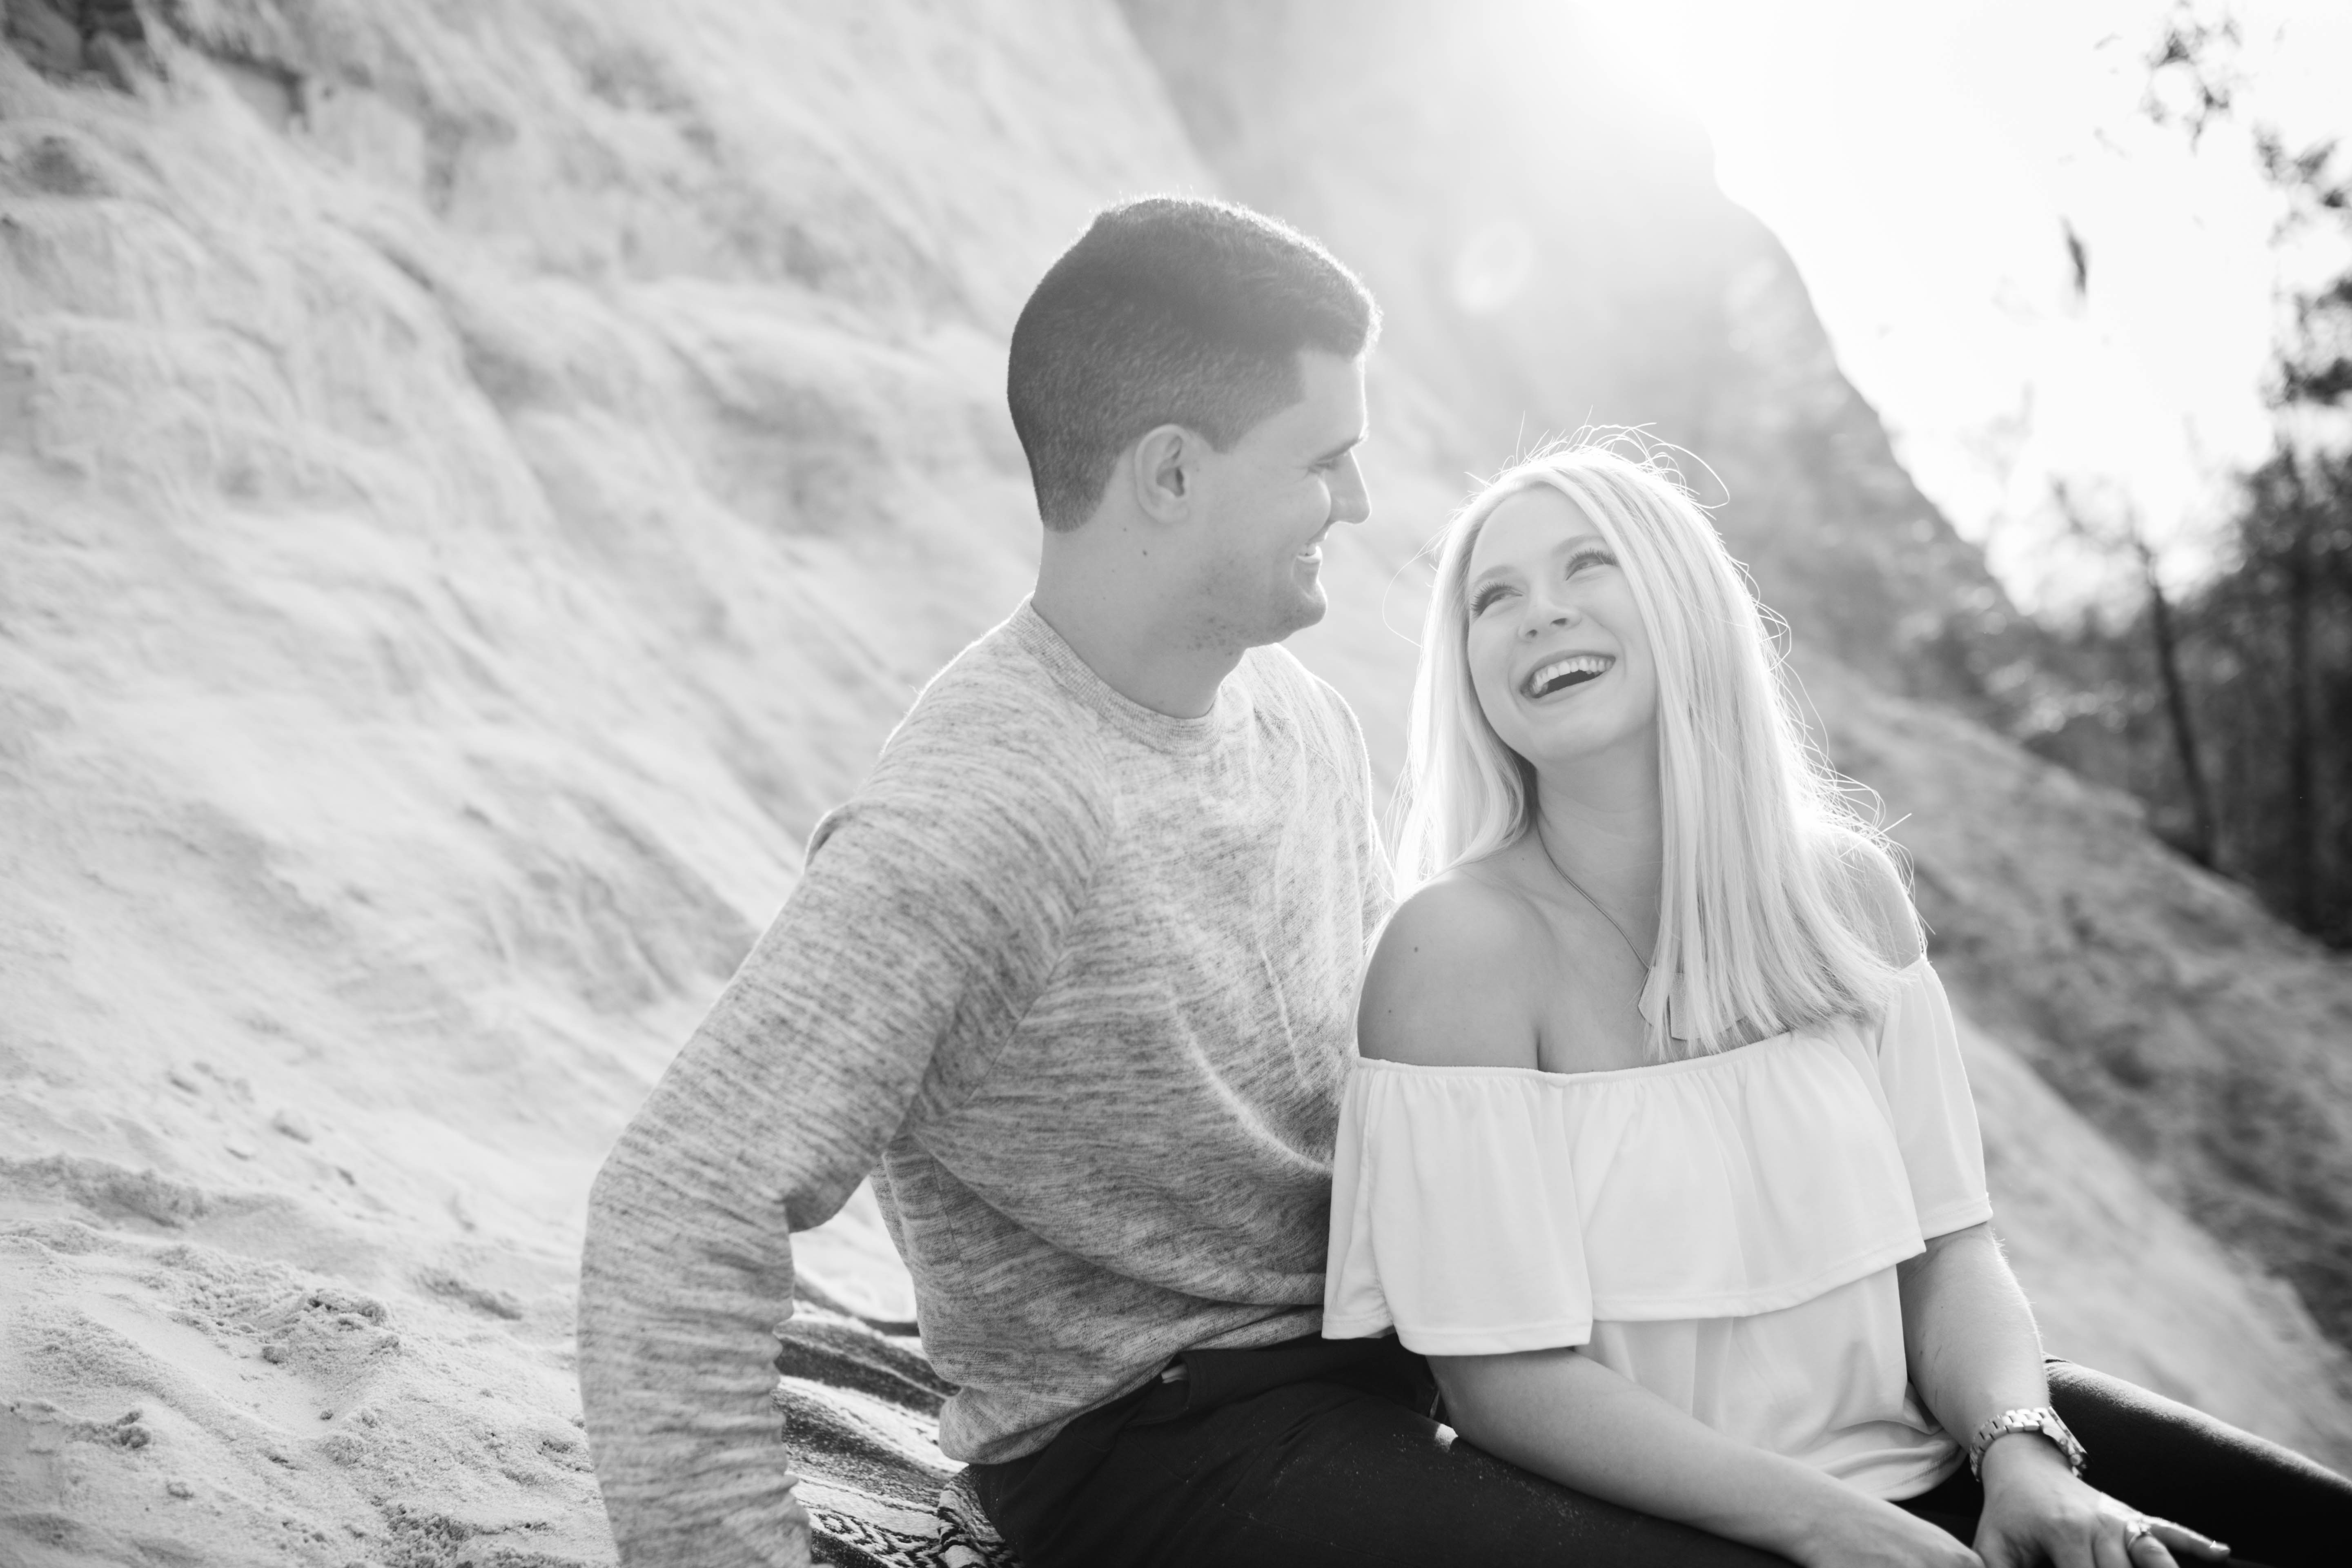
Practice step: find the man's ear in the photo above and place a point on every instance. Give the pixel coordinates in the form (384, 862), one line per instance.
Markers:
(1166, 472)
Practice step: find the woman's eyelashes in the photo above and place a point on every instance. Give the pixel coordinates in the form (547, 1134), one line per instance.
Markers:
(1580, 560)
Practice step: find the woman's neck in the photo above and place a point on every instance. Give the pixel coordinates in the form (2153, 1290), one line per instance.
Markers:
(1602, 827)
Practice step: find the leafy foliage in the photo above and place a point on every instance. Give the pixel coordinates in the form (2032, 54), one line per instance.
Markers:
(2264, 649)
(2257, 662)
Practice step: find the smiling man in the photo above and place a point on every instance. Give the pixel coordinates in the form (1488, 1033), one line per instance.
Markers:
(1075, 972)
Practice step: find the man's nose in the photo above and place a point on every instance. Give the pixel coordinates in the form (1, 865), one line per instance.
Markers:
(1351, 500)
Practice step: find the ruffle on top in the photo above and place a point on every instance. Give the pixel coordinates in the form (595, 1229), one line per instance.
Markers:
(1484, 1210)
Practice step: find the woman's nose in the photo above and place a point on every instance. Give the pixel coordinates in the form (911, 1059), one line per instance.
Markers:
(1543, 615)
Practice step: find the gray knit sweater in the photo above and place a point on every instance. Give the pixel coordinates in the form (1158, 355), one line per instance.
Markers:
(1077, 980)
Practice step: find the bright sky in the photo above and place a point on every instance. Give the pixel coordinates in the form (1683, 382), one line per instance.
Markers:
(1923, 162)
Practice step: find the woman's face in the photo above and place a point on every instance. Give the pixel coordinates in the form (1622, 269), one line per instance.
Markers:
(1558, 655)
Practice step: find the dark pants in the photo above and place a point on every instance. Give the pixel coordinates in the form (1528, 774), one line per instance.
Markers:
(1326, 1452)
(2269, 1504)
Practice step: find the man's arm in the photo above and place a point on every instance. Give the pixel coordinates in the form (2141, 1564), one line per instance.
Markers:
(939, 913)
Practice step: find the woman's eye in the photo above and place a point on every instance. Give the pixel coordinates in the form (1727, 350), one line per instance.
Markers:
(1485, 597)
(1584, 558)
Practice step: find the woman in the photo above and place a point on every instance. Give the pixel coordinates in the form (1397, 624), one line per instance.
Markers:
(1660, 1148)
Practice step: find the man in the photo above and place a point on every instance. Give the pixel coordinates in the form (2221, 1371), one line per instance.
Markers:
(1077, 969)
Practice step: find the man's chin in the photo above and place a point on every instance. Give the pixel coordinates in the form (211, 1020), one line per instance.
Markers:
(1302, 610)
(1252, 614)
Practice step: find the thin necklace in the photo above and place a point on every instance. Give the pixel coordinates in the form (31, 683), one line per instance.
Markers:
(1640, 1002)
(1544, 844)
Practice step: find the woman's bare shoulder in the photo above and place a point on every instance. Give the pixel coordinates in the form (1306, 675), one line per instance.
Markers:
(1454, 979)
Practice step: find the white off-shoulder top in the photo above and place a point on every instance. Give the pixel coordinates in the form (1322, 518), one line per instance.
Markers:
(1722, 1230)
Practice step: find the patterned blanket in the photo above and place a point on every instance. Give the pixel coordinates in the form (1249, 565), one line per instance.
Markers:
(861, 1418)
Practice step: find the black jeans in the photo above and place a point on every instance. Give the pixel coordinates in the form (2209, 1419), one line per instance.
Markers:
(2270, 1504)
(1327, 1452)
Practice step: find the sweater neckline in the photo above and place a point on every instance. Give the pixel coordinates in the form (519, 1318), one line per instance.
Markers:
(1161, 731)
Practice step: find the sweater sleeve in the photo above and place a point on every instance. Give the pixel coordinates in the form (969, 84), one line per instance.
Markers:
(931, 912)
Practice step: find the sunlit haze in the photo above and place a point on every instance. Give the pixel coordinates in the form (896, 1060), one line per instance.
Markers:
(1924, 165)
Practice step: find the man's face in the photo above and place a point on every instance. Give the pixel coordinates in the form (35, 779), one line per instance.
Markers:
(1263, 507)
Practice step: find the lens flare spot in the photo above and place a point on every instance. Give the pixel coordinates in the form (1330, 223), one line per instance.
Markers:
(1492, 267)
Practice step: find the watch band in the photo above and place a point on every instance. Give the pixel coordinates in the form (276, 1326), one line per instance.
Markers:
(2041, 1419)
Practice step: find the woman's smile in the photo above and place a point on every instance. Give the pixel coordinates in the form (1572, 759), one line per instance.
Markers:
(1565, 673)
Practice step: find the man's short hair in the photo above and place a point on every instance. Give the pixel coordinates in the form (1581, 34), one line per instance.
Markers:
(1170, 311)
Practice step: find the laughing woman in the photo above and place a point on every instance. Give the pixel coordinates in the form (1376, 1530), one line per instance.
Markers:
(1661, 1150)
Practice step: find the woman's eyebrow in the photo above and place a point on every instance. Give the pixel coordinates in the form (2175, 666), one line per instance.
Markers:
(1574, 545)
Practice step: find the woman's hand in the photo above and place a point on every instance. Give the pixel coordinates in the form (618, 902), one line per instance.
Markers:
(2036, 1511)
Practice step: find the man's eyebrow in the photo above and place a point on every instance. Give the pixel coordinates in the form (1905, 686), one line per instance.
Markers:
(1344, 448)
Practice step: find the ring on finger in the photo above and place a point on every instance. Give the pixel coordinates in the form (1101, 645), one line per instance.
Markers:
(2138, 1528)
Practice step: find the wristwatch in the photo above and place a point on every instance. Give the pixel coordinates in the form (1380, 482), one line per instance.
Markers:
(2042, 1419)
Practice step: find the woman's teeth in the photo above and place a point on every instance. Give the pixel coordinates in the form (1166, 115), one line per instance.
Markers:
(1574, 670)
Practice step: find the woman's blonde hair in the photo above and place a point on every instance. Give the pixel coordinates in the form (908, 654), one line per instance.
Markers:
(1766, 909)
